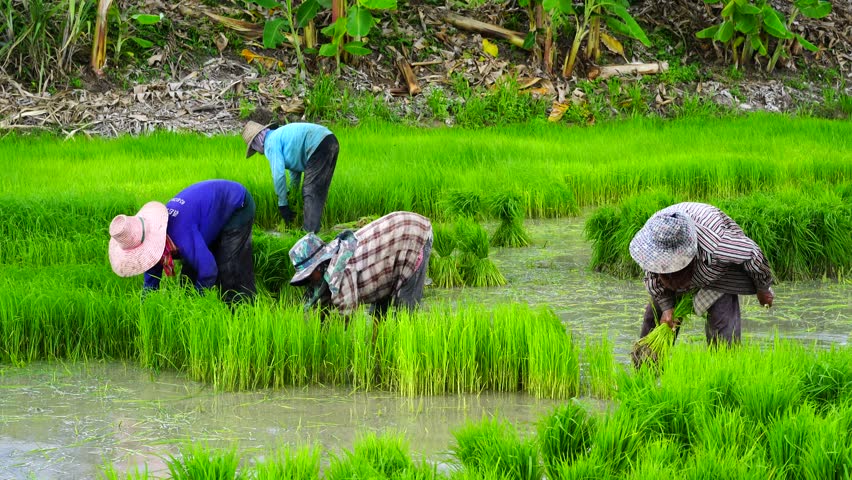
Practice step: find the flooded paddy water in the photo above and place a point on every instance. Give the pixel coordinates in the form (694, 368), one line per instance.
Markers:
(64, 421)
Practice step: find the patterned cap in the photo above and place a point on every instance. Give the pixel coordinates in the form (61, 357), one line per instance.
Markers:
(306, 255)
(667, 242)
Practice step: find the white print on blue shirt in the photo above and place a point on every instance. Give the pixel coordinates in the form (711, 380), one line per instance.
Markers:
(173, 212)
(178, 200)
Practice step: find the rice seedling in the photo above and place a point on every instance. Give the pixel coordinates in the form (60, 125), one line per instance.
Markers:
(463, 204)
(655, 346)
(108, 472)
(564, 436)
(507, 207)
(494, 447)
(600, 363)
(554, 364)
(788, 437)
(200, 462)
(288, 464)
(476, 268)
(444, 268)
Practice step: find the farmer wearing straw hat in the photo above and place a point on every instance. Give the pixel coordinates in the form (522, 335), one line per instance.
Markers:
(297, 148)
(207, 226)
(694, 247)
(384, 263)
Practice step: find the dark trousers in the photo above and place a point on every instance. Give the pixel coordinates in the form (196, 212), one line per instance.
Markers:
(410, 293)
(233, 253)
(723, 320)
(318, 173)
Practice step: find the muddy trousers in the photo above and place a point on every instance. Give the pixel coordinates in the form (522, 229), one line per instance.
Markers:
(317, 180)
(723, 323)
(410, 293)
(233, 253)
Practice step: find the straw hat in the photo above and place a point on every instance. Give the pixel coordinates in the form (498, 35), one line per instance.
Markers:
(667, 242)
(307, 254)
(251, 130)
(137, 242)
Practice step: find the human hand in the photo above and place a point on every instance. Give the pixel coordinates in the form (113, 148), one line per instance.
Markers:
(765, 297)
(286, 214)
(668, 319)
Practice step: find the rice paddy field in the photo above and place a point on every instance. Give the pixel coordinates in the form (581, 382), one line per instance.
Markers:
(528, 377)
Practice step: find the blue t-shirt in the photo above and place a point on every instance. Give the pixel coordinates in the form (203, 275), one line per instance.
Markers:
(196, 217)
(289, 147)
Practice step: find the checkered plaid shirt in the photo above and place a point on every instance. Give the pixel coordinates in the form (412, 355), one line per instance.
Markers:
(727, 261)
(388, 253)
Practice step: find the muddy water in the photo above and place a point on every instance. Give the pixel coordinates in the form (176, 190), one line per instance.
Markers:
(554, 272)
(63, 421)
(60, 422)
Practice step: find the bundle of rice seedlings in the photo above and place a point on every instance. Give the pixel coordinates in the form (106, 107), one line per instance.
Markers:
(463, 204)
(444, 269)
(507, 207)
(476, 268)
(658, 343)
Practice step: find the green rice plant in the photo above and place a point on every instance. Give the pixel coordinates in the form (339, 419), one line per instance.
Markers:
(656, 345)
(727, 463)
(494, 447)
(616, 442)
(378, 456)
(443, 266)
(463, 204)
(829, 455)
(723, 429)
(564, 436)
(601, 366)
(287, 464)
(108, 472)
(272, 267)
(476, 268)
(554, 364)
(788, 437)
(828, 380)
(200, 462)
(583, 468)
(511, 233)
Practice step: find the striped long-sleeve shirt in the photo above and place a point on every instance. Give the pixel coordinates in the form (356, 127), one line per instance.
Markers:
(727, 261)
(389, 251)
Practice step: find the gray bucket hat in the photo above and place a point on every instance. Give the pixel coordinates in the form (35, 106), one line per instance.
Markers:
(667, 242)
(306, 255)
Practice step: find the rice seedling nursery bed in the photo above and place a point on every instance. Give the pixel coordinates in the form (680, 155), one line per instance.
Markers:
(782, 410)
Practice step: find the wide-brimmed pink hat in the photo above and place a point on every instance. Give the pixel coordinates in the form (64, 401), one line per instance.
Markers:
(137, 242)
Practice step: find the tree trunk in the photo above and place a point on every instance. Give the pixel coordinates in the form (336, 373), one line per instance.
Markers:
(100, 38)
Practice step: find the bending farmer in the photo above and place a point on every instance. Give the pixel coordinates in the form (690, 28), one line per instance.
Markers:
(207, 226)
(297, 148)
(693, 247)
(383, 263)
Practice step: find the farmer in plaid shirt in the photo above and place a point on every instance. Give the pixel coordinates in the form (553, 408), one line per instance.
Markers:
(383, 264)
(694, 247)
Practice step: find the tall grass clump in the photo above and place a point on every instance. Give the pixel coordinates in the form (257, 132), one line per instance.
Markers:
(600, 365)
(289, 464)
(444, 268)
(493, 447)
(374, 456)
(272, 267)
(477, 269)
(564, 436)
(510, 233)
(199, 461)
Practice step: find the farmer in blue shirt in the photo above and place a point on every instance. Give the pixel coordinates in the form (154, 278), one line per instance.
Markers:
(297, 148)
(207, 226)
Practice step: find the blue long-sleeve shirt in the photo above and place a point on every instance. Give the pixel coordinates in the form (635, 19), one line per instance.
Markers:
(289, 147)
(196, 217)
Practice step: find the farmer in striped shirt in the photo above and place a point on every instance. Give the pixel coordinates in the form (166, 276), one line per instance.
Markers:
(694, 247)
(383, 264)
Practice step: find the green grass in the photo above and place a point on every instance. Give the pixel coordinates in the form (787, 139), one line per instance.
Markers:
(383, 168)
